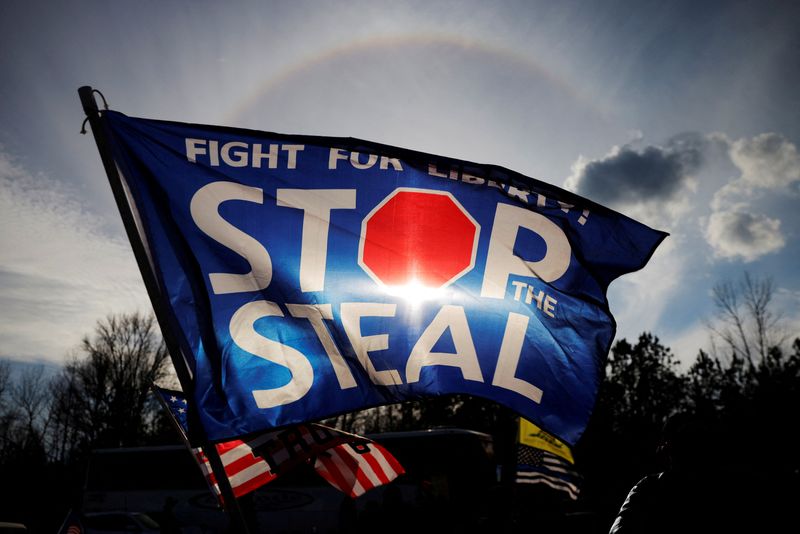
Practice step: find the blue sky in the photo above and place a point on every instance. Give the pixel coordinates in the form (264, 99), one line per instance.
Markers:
(684, 116)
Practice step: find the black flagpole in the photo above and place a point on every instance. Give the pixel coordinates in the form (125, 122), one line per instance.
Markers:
(184, 438)
(95, 118)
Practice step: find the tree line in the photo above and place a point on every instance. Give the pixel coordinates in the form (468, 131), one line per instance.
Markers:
(745, 389)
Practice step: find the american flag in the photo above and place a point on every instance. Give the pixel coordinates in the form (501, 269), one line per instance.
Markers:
(258, 460)
(355, 468)
(72, 524)
(535, 466)
(245, 470)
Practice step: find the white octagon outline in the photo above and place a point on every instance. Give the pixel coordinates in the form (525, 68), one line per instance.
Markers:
(391, 195)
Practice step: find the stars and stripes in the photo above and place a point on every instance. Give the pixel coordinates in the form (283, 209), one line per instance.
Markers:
(246, 472)
(355, 468)
(535, 466)
(350, 463)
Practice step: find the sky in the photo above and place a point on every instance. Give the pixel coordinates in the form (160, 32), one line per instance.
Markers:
(684, 115)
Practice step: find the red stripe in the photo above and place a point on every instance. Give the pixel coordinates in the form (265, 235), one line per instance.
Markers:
(376, 467)
(222, 448)
(390, 459)
(254, 483)
(361, 475)
(243, 463)
(336, 477)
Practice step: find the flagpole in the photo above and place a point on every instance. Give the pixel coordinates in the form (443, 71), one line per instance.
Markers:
(99, 131)
(180, 431)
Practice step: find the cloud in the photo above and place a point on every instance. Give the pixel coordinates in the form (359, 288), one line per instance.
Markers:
(654, 184)
(737, 233)
(768, 161)
(59, 272)
(647, 183)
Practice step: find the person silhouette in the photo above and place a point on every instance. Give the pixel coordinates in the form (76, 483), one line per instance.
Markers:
(688, 495)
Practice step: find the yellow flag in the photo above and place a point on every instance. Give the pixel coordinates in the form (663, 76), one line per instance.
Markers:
(533, 436)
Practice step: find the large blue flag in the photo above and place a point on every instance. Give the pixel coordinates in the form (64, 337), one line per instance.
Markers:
(311, 276)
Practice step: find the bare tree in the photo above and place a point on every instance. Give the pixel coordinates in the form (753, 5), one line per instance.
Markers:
(745, 324)
(7, 415)
(30, 397)
(5, 380)
(102, 397)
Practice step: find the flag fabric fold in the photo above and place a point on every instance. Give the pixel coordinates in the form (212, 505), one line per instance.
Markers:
(305, 277)
(355, 469)
(359, 464)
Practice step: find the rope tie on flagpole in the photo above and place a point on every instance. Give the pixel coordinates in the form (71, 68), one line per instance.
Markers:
(105, 108)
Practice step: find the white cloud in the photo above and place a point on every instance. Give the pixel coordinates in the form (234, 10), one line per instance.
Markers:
(737, 233)
(767, 161)
(59, 273)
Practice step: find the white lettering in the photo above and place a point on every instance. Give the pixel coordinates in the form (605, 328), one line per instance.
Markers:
(334, 156)
(271, 156)
(394, 162)
(352, 312)
(433, 171)
(507, 361)
(501, 261)
(465, 357)
(518, 291)
(213, 154)
(518, 193)
(550, 305)
(241, 156)
(193, 150)
(470, 179)
(371, 160)
(538, 297)
(243, 333)
(316, 205)
(291, 162)
(204, 208)
(315, 313)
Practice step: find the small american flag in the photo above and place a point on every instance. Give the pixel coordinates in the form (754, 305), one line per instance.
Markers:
(535, 466)
(258, 460)
(355, 468)
(72, 524)
(245, 471)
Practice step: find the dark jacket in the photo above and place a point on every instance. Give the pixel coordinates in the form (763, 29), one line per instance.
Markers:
(679, 503)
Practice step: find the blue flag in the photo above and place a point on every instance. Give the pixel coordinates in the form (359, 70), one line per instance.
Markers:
(311, 276)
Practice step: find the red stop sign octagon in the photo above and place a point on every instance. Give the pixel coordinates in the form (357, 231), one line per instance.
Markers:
(418, 236)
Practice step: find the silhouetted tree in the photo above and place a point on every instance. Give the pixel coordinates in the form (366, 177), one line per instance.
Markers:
(745, 325)
(7, 414)
(102, 399)
(643, 385)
